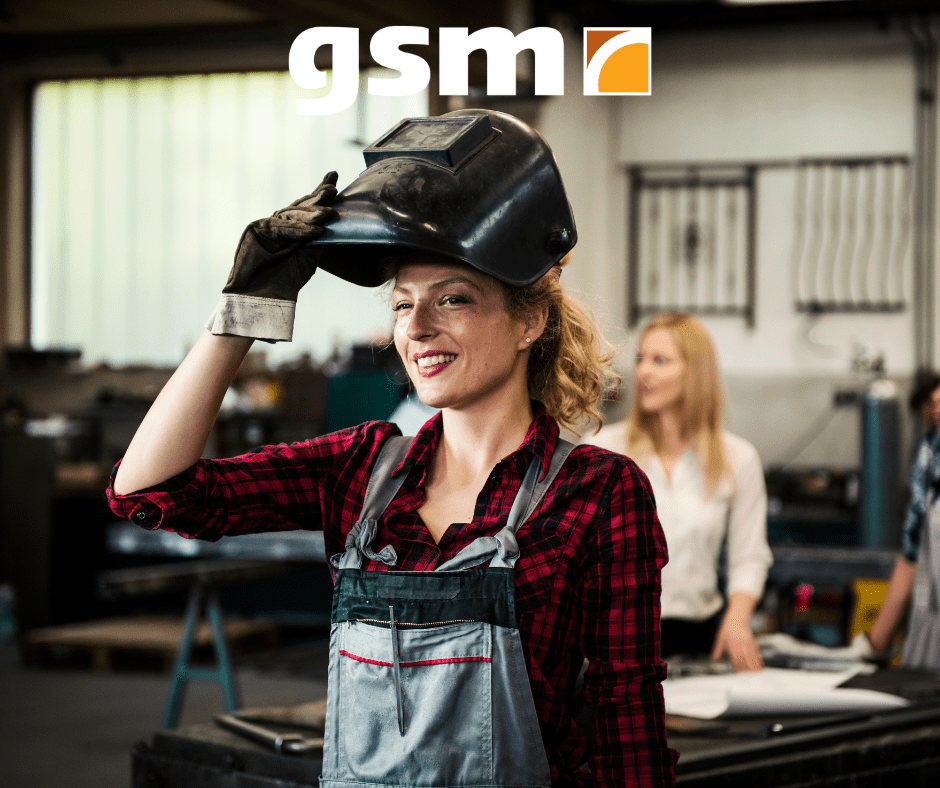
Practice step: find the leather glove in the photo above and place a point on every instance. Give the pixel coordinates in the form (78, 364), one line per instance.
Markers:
(272, 263)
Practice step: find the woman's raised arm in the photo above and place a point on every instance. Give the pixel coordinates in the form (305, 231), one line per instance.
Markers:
(174, 432)
(272, 263)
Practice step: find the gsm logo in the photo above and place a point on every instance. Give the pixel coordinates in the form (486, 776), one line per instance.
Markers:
(456, 44)
(617, 61)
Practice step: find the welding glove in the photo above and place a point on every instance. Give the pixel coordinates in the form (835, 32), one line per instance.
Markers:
(272, 263)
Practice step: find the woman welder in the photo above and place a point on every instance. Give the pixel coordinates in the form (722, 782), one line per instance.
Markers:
(478, 564)
(709, 485)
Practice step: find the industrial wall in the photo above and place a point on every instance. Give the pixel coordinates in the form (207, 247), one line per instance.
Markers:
(767, 98)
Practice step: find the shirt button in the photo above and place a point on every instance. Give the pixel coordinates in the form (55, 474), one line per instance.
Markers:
(140, 515)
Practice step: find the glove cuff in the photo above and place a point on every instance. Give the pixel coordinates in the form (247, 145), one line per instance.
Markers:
(270, 319)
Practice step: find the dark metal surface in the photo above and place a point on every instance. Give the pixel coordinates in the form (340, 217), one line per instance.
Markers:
(125, 537)
(210, 757)
(164, 578)
(285, 742)
(832, 564)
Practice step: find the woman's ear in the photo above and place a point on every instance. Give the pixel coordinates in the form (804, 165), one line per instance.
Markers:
(535, 322)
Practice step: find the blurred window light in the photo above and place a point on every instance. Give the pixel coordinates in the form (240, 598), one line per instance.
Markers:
(774, 2)
(142, 188)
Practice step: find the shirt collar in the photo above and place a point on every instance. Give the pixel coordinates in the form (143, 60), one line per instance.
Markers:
(539, 441)
(933, 438)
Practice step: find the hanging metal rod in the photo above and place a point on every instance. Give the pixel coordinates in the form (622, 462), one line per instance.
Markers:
(766, 164)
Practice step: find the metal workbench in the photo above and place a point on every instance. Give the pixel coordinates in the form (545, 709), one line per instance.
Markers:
(893, 748)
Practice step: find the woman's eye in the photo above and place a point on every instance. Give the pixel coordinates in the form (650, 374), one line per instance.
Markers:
(639, 359)
(400, 306)
(451, 300)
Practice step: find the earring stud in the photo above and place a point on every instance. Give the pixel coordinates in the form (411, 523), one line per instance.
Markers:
(528, 339)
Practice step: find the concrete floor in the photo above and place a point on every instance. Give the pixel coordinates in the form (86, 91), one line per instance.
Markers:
(70, 728)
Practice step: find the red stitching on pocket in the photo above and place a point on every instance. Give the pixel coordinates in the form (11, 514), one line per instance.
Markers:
(414, 664)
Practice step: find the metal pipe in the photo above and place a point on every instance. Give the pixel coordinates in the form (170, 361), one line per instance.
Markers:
(925, 130)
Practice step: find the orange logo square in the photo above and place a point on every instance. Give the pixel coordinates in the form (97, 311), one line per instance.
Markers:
(617, 61)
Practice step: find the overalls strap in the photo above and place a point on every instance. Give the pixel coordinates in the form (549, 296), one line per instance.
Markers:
(503, 548)
(532, 490)
(382, 488)
(380, 492)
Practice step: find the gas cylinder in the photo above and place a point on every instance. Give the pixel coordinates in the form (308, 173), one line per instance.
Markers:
(880, 491)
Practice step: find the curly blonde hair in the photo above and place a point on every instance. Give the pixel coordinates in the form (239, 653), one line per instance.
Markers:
(570, 363)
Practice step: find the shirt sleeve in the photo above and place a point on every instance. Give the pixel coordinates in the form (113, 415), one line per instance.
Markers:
(621, 640)
(749, 555)
(916, 514)
(276, 488)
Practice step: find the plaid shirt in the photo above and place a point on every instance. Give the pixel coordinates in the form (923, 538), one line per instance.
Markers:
(587, 581)
(925, 488)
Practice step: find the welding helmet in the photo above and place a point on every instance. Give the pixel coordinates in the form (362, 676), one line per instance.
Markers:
(477, 186)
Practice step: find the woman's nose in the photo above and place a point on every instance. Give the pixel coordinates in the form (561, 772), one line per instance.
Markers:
(421, 323)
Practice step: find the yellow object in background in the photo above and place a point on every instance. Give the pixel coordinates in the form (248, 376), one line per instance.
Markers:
(870, 595)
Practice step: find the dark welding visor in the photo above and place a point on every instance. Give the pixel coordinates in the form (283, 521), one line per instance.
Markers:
(477, 186)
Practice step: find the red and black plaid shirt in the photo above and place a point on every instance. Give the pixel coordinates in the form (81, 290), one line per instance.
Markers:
(587, 581)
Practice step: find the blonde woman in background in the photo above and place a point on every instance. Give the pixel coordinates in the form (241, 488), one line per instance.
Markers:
(709, 487)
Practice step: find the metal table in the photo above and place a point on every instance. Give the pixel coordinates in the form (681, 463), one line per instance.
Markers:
(900, 747)
(228, 560)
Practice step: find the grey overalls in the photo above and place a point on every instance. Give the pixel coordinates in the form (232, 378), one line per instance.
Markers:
(922, 642)
(428, 683)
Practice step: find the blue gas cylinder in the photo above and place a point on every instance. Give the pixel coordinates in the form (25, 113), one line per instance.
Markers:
(879, 499)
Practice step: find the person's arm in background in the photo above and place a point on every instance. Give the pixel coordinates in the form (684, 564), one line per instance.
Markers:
(749, 558)
(735, 637)
(892, 610)
(901, 584)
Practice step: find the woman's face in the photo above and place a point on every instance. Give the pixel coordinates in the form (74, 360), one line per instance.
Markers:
(455, 336)
(660, 372)
(934, 407)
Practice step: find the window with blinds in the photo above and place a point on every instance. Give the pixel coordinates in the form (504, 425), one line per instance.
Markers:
(141, 190)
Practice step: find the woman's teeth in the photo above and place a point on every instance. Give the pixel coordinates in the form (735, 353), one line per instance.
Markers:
(433, 361)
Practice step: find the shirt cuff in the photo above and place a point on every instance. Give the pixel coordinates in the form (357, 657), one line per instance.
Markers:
(750, 581)
(150, 506)
(269, 319)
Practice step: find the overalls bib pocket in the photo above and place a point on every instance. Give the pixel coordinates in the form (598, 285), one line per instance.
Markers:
(445, 676)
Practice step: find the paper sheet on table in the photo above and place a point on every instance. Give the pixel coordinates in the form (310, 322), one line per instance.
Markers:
(771, 691)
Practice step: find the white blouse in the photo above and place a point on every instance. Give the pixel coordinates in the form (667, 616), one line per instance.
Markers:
(696, 526)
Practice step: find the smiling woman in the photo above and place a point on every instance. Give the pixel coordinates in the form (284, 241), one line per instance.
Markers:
(479, 564)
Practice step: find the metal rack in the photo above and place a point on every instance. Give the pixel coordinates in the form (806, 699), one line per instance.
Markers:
(693, 227)
(692, 230)
(852, 234)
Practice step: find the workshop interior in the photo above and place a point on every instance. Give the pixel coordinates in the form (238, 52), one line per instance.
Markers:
(779, 182)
